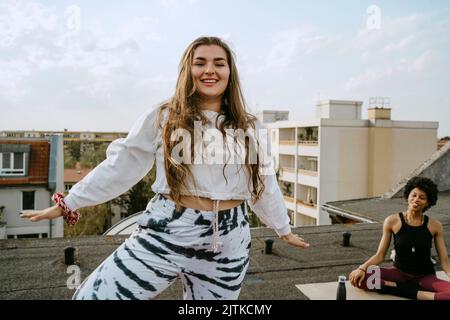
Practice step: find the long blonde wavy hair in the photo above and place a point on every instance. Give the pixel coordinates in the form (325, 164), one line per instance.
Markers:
(183, 110)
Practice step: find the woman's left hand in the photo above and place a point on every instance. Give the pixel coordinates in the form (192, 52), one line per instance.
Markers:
(295, 240)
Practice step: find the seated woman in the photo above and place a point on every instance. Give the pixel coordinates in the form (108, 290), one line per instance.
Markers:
(412, 275)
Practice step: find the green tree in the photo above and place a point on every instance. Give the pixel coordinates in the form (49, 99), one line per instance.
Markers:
(74, 150)
(69, 162)
(94, 155)
(1, 213)
(94, 221)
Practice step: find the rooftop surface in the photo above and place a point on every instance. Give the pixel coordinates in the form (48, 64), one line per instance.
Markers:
(35, 269)
(377, 209)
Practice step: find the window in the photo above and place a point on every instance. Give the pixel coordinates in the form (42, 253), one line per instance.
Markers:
(12, 163)
(28, 200)
(28, 236)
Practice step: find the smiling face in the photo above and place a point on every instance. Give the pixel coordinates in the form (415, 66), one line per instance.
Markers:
(417, 200)
(210, 71)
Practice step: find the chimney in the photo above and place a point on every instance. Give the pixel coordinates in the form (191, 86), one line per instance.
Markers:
(379, 108)
(379, 114)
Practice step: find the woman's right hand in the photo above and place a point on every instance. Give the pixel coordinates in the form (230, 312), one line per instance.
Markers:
(38, 215)
(357, 277)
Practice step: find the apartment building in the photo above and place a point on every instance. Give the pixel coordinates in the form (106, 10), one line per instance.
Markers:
(339, 156)
(82, 136)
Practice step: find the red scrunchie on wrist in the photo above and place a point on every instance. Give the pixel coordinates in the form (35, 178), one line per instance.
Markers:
(70, 216)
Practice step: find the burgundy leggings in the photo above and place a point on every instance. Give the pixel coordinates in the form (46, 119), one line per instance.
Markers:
(427, 283)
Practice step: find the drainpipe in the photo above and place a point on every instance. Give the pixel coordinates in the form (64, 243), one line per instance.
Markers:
(50, 231)
(54, 140)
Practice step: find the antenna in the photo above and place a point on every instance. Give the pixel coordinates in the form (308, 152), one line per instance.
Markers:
(379, 102)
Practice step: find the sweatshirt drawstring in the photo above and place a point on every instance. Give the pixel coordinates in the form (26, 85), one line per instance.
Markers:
(215, 241)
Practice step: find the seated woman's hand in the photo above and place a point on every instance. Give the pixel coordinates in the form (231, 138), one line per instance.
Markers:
(357, 277)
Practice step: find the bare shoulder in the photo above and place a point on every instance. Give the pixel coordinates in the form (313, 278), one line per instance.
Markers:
(434, 225)
(392, 222)
(392, 219)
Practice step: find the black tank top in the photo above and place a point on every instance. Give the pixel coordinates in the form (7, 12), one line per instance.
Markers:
(413, 248)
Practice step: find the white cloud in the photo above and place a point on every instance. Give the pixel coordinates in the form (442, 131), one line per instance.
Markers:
(290, 45)
(401, 44)
(129, 36)
(422, 62)
(404, 67)
(288, 48)
(22, 18)
(396, 35)
(12, 73)
(391, 30)
(401, 48)
(36, 43)
(176, 4)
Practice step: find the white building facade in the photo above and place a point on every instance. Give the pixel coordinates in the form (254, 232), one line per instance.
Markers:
(339, 156)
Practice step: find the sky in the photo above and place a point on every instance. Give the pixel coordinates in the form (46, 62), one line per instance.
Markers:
(98, 65)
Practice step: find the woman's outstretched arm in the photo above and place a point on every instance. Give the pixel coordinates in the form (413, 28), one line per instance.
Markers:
(128, 161)
(357, 276)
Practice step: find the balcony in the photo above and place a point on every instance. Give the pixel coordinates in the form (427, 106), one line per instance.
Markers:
(303, 207)
(308, 209)
(308, 172)
(306, 203)
(304, 147)
(287, 147)
(289, 199)
(310, 149)
(308, 178)
(308, 142)
(305, 177)
(290, 202)
(287, 174)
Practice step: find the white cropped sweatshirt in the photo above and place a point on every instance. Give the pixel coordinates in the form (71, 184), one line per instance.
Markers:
(130, 159)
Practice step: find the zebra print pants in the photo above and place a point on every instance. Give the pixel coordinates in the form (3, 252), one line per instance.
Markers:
(171, 244)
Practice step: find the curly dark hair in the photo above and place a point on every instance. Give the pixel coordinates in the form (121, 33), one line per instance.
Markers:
(426, 185)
